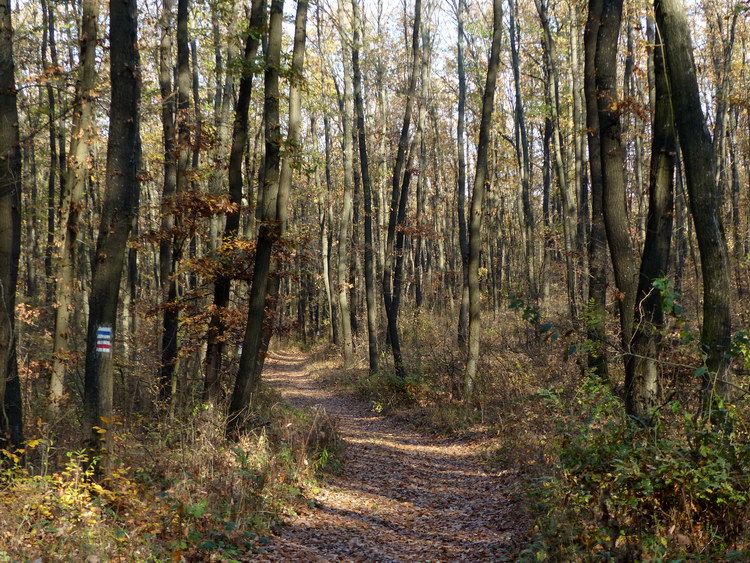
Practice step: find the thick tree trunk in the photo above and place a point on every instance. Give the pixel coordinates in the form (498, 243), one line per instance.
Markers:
(477, 201)
(119, 206)
(698, 154)
(11, 420)
(613, 166)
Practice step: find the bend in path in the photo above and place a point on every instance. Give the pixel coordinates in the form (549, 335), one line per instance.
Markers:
(401, 496)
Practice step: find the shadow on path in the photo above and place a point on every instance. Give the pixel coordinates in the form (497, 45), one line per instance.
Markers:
(401, 496)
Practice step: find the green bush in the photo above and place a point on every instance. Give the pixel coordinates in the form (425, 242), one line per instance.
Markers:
(624, 493)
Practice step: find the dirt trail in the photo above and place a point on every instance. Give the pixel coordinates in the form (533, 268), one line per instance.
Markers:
(401, 496)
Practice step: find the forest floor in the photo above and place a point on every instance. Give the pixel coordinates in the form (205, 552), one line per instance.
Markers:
(400, 495)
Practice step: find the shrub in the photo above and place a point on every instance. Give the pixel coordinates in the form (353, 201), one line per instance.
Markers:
(626, 493)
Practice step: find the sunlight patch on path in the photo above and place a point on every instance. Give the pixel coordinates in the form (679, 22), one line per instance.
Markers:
(400, 497)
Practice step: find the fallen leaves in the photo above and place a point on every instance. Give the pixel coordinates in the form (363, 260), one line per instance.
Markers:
(401, 496)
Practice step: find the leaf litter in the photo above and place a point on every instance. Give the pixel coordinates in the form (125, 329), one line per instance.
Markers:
(400, 496)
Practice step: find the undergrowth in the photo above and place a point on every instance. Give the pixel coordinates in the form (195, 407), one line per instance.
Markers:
(679, 491)
(601, 487)
(180, 490)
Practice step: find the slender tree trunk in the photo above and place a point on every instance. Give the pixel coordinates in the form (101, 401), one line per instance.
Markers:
(167, 384)
(216, 329)
(567, 190)
(276, 189)
(477, 201)
(119, 206)
(268, 229)
(168, 116)
(48, 42)
(463, 237)
(698, 154)
(289, 162)
(336, 327)
(524, 161)
(78, 163)
(642, 370)
(581, 177)
(346, 207)
(11, 419)
(393, 263)
(372, 319)
(597, 247)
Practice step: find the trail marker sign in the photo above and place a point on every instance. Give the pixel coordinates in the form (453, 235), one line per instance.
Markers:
(104, 340)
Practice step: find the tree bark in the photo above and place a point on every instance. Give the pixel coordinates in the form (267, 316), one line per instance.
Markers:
(698, 155)
(11, 420)
(119, 205)
(169, 188)
(345, 224)
(642, 369)
(48, 43)
(216, 329)
(463, 237)
(597, 247)
(171, 316)
(78, 162)
(522, 156)
(372, 319)
(397, 213)
(276, 190)
(567, 191)
(613, 166)
(477, 201)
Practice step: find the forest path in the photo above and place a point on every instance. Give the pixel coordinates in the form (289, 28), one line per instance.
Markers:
(401, 496)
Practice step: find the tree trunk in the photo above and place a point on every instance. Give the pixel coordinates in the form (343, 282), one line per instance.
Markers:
(216, 329)
(397, 213)
(372, 319)
(698, 155)
(463, 237)
(642, 370)
(11, 420)
(567, 190)
(597, 247)
(522, 155)
(119, 206)
(613, 166)
(78, 163)
(477, 201)
(171, 312)
(168, 113)
(48, 42)
(276, 189)
(346, 206)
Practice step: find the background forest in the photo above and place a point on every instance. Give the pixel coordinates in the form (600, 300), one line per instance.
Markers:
(523, 224)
